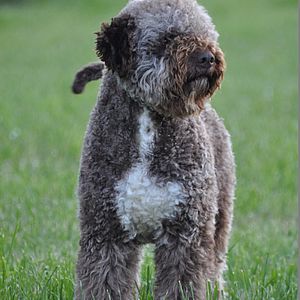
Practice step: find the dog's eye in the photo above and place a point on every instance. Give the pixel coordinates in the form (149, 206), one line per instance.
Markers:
(158, 52)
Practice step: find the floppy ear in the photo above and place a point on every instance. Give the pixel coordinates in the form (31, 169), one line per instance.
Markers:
(114, 44)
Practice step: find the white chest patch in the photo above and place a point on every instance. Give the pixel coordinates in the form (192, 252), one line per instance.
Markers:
(142, 202)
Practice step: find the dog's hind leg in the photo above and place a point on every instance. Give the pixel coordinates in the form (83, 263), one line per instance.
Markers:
(222, 234)
(225, 174)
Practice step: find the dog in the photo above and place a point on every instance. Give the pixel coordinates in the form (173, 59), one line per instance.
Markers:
(157, 163)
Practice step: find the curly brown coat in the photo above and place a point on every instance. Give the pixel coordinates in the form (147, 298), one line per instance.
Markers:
(157, 165)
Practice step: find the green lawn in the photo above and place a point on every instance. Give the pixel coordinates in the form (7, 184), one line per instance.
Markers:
(42, 126)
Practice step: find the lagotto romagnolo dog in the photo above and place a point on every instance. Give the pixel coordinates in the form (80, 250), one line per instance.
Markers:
(157, 165)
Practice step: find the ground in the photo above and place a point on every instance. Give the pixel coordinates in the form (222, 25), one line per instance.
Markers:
(42, 125)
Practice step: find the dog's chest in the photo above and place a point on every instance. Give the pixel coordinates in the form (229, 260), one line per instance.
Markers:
(142, 200)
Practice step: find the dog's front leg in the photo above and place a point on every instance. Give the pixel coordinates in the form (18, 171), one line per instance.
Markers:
(178, 275)
(185, 262)
(108, 271)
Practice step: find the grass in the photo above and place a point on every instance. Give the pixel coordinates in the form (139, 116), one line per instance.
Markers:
(42, 125)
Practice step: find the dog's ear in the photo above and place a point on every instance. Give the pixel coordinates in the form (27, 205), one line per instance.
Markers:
(114, 44)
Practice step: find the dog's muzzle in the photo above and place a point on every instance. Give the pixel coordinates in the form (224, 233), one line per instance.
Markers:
(201, 67)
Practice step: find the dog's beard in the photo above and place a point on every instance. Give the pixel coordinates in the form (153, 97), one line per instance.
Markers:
(188, 99)
(198, 91)
(200, 86)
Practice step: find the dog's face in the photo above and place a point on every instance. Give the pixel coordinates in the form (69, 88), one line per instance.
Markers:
(165, 53)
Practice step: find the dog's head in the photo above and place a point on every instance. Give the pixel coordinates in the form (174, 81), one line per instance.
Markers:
(165, 54)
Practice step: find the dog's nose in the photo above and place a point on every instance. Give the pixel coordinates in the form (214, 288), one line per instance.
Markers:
(202, 59)
(206, 58)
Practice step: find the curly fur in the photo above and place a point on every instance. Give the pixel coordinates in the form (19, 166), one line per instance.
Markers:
(157, 165)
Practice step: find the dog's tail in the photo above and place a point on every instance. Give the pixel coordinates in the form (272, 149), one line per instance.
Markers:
(90, 72)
